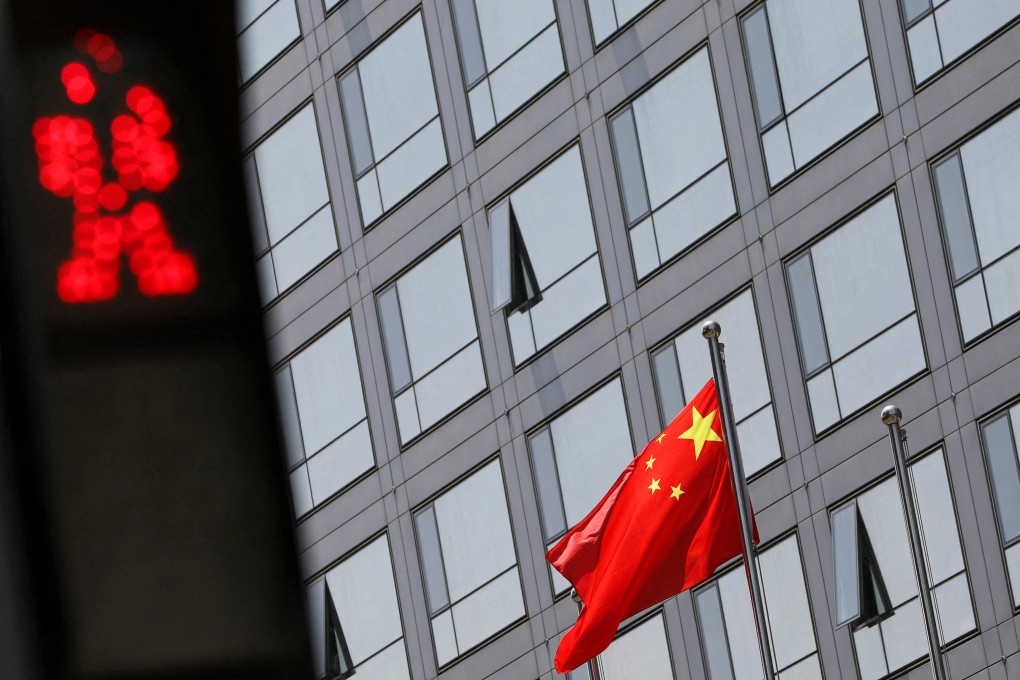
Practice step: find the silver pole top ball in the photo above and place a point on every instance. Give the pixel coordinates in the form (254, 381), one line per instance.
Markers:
(711, 329)
(574, 596)
(891, 414)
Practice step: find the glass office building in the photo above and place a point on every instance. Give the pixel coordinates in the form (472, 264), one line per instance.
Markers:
(487, 235)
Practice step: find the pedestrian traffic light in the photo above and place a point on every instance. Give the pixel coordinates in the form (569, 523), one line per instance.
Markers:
(143, 460)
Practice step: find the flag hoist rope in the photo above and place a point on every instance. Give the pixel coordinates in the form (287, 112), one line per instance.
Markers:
(711, 331)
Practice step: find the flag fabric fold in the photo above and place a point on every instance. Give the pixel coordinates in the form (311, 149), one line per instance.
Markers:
(665, 526)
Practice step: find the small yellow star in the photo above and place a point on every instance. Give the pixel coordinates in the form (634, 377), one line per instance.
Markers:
(676, 492)
(659, 439)
(654, 486)
(701, 431)
(650, 462)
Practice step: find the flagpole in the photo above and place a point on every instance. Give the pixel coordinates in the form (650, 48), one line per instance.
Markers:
(891, 416)
(711, 331)
(593, 663)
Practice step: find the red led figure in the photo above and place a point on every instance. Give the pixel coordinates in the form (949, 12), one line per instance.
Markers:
(105, 226)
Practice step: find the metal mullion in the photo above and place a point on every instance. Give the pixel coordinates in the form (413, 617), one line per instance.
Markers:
(338, 437)
(479, 588)
(415, 381)
(689, 186)
(520, 49)
(399, 146)
(898, 321)
(298, 226)
(827, 87)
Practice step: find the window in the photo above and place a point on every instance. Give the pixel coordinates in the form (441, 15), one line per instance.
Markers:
(544, 259)
(264, 29)
(683, 366)
(607, 16)
(289, 204)
(431, 340)
(726, 622)
(808, 64)
(671, 164)
(576, 458)
(857, 326)
(977, 207)
(322, 410)
(1000, 439)
(639, 652)
(939, 36)
(898, 640)
(469, 564)
(355, 618)
(392, 118)
(508, 52)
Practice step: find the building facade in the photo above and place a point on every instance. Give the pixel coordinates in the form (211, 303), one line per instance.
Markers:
(487, 236)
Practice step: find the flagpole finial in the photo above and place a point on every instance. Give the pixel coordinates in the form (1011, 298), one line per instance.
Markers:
(891, 414)
(711, 329)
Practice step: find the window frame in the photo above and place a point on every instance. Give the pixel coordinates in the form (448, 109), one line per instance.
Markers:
(361, 545)
(805, 248)
(545, 424)
(760, 130)
(249, 152)
(598, 45)
(538, 94)
(391, 283)
(950, 150)
(354, 65)
(1001, 411)
(661, 345)
(938, 448)
(737, 562)
(628, 103)
(981, 44)
(285, 363)
(244, 83)
(508, 309)
(429, 502)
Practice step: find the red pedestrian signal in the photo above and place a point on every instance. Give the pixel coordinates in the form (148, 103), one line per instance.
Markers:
(110, 219)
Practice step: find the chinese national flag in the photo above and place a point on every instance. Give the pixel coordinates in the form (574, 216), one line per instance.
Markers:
(666, 524)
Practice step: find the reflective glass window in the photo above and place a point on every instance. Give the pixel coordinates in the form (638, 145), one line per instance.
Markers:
(431, 340)
(939, 35)
(857, 326)
(811, 78)
(727, 623)
(577, 457)
(608, 16)
(1000, 439)
(392, 118)
(672, 165)
(323, 414)
(509, 52)
(977, 209)
(364, 597)
(899, 640)
(264, 29)
(683, 366)
(466, 544)
(289, 204)
(552, 217)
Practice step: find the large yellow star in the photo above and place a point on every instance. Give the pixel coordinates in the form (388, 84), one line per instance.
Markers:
(654, 486)
(676, 492)
(701, 431)
(650, 462)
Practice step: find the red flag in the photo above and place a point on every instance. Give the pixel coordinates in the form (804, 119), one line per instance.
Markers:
(665, 526)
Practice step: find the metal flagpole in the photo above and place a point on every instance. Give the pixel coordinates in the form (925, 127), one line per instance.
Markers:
(711, 331)
(891, 416)
(593, 663)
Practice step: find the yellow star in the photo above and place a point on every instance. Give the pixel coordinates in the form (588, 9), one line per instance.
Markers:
(650, 462)
(654, 486)
(659, 439)
(676, 492)
(701, 431)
